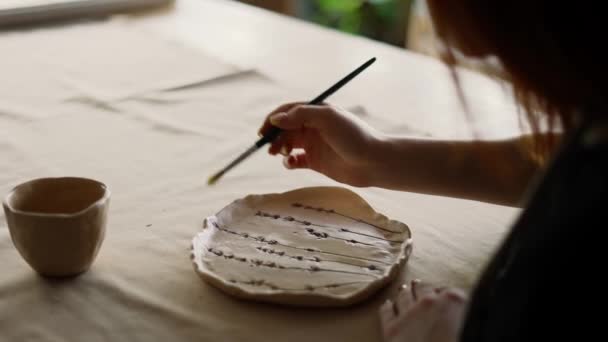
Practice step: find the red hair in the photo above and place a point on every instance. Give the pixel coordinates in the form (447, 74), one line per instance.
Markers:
(550, 53)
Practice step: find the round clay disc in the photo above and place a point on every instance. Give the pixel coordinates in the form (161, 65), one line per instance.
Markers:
(320, 246)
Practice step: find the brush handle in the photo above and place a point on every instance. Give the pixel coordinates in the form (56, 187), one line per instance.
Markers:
(274, 131)
(272, 134)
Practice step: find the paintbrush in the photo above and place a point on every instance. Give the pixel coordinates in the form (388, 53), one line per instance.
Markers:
(275, 131)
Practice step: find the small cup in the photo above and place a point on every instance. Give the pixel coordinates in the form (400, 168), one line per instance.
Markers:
(58, 224)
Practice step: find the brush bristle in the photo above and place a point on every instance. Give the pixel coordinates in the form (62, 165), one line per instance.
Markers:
(213, 179)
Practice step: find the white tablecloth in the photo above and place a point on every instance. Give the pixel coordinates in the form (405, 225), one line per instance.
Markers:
(97, 100)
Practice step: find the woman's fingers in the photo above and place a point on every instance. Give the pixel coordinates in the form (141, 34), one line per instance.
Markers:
(387, 312)
(281, 145)
(289, 140)
(301, 116)
(266, 125)
(297, 160)
(422, 312)
(422, 289)
(393, 309)
(454, 295)
(405, 298)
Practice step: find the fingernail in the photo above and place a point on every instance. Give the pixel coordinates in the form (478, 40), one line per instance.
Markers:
(284, 150)
(276, 119)
(395, 309)
(413, 284)
(289, 162)
(260, 134)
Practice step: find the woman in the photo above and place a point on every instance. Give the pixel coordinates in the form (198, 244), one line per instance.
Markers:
(549, 54)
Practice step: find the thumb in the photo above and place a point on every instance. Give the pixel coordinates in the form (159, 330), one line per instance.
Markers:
(299, 117)
(282, 120)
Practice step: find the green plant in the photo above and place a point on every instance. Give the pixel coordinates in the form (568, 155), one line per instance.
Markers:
(378, 19)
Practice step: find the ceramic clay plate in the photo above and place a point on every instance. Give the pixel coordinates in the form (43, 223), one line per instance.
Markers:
(322, 246)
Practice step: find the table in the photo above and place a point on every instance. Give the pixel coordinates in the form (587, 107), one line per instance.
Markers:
(96, 100)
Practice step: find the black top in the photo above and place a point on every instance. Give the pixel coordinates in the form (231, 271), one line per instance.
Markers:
(544, 280)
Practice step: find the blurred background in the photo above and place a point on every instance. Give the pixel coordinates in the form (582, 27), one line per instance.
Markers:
(402, 23)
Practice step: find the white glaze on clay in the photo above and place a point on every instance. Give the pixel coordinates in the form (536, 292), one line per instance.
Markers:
(322, 246)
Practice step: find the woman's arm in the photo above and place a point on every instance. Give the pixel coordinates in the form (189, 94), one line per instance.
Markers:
(341, 146)
(497, 171)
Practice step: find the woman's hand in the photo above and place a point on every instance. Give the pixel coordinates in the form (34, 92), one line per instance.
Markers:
(423, 313)
(323, 138)
(336, 143)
